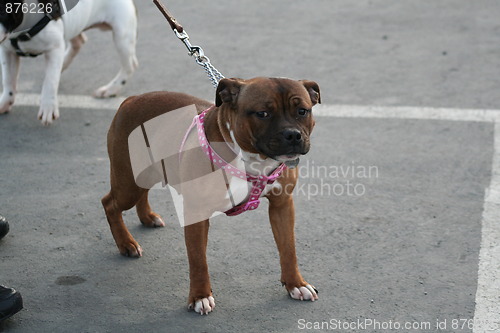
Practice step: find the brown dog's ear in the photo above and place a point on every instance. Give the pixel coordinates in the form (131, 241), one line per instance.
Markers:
(227, 91)
(313, 90)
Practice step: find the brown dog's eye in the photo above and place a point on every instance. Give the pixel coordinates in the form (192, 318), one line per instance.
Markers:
(262, 114)
(303, 112)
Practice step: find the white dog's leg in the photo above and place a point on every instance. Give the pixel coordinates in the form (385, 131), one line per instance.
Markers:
(124, 36)
(73, 49)
(49, 108)
(10, 70)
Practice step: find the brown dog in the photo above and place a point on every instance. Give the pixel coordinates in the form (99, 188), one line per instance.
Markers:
(269, 119)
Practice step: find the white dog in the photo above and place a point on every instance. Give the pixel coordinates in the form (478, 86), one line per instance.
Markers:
(60, 40)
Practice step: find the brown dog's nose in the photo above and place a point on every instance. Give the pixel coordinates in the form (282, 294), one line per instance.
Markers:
(292, 136)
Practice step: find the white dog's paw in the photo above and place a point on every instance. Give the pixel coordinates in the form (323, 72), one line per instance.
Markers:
(108, 91)
(48, 113)
(305, 293)
(6, 102)
(203, 306)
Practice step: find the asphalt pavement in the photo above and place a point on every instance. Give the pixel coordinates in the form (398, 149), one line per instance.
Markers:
(389, 210)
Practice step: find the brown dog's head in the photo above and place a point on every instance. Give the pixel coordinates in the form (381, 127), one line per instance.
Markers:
(269, 116)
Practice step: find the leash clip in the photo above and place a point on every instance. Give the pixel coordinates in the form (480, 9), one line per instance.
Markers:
(195, 51)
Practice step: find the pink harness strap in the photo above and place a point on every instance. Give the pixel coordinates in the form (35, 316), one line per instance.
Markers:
(258, 182)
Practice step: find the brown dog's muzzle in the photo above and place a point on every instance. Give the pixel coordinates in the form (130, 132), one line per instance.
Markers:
(290, 141)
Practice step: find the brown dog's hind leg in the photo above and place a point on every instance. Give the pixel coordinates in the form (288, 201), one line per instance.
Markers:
(147, 217)
(124, 240)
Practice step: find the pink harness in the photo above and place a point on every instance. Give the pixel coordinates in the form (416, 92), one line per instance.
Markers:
(258, 182)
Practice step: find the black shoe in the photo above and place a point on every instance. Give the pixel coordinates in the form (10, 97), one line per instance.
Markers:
(10, 302)
(4, 226)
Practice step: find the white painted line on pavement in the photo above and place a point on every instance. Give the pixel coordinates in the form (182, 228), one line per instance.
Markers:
(486, 318)
(406, 112)
(72, 101)
(487, 312)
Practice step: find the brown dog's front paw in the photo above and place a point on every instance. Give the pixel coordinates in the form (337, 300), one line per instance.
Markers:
(305, 293)
(203, 306)
(130, 249)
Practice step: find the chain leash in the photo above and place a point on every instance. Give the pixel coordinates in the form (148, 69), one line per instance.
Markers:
(195, 51)
(201, 59)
